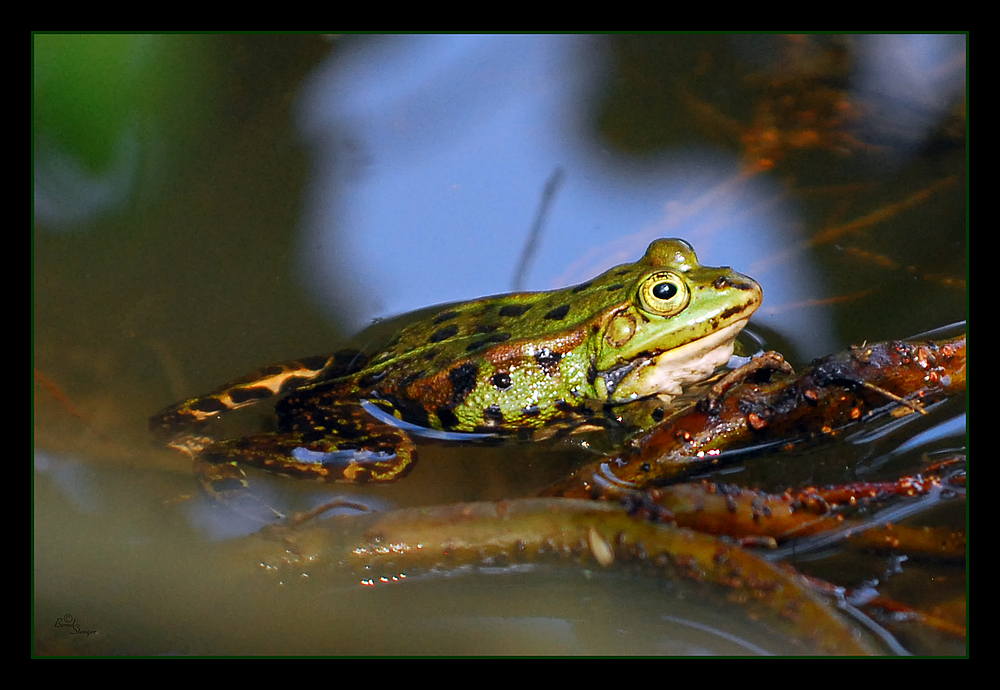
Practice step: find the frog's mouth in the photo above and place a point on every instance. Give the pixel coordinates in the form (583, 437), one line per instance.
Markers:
(665, 374)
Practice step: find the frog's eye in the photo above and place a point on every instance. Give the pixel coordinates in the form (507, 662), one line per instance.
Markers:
(664, 294)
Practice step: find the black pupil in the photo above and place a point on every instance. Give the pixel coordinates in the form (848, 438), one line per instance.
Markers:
(664, 290)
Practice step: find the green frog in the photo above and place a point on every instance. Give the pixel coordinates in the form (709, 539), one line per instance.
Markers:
(518, 364)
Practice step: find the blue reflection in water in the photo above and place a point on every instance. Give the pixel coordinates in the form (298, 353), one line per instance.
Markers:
(431, 156)
(432, 153)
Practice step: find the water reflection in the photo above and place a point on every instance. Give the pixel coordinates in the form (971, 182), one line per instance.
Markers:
(432, 154)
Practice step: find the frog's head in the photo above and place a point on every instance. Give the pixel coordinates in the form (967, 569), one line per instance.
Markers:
(679, 323)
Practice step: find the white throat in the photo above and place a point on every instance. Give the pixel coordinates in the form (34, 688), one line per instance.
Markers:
(668, 372)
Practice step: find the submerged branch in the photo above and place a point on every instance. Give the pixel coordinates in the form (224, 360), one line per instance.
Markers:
(382, 546)
(849, 387)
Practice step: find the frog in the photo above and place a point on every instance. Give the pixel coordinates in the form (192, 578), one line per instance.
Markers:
(518, 365)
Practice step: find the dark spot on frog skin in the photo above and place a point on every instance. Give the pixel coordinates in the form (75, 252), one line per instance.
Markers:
(243, 395)
(209, 405)
(727, 313)
(493, 415)
(612, 288)
(548, 361)
(346, 361)
(407, 410)
(501, 380)
(314, 435)
(582, 286)
(440, 334)
(316, 363)
(657, 414)
(405, 382)
(484, 342)
(447, 418)
(463, 382)
(485, 328)
(346, 429)
(514, 309)
(410, 411)
(445, 316)
(531, 410)
(557, 314)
